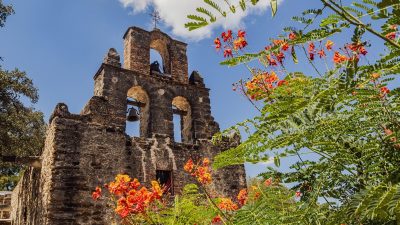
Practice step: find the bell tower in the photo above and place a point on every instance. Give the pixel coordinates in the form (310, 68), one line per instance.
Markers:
(137, 45)
(88, 149)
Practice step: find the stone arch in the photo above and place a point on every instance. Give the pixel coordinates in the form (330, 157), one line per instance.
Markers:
(161, 44)
(185, 110)
(142, 101)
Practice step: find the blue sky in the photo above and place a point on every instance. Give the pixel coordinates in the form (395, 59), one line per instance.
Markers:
(61, 44)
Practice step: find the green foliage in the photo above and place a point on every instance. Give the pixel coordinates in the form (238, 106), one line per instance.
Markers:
(22, 127)
(5, 11)
(194, 19)
(275, 205)
(338, 115)
(9, 177)
(380, 203)
(265, 205)
(191, 207)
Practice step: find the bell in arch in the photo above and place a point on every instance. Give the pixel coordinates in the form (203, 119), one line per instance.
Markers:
(133, 115)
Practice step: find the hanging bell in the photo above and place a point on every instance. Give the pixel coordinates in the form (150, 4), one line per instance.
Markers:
(133, 115)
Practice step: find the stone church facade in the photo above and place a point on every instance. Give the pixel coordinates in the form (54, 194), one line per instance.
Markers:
(88, 149)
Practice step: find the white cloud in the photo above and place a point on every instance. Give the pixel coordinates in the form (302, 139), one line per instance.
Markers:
(174, 12)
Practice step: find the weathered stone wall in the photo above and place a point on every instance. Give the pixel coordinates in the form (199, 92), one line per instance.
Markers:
(5, 207)
(26, 199)
(137, 45)
(89, 149)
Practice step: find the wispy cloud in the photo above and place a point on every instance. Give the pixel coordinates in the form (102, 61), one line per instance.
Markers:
(174, 12)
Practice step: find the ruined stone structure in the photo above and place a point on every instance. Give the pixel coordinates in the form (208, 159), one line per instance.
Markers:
(5, 207)
(88, 149)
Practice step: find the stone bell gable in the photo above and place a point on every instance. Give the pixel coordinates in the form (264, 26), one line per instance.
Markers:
(88, 149)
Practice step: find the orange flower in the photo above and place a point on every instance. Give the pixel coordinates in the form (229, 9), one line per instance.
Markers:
(357, 48)
(271, 61)
(250, 85)
(157, 191)
(338, 58)
(134, 184)
(241, 33)
(228, 53)
(122, 208)
(131, 199)
(268, 182)
(282, 82)
(257, 195)
(216, 219)
(311, 50)
(321, 53)
(271, 77)
(206, 162)
(97, 193)
(203, 176)
(292, 36)
(329, 45)
(227, 36)
(217, 43)
(202, 173)
(227, 204)
(384, 90)
(277, 42)
(391, 35)
(242, 196)
(362, 50)
(393, 27)
(284, 46)
(375, 76)
(311, 47)
(280, 57)
(298, 194)
(120, 185)
(189, 166)
(122, 178)
(239, 43)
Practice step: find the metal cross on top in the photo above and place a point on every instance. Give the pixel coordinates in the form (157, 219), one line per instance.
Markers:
(156, 17)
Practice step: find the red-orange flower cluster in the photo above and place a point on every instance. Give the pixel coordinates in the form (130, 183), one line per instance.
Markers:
(262, 85)
(391, 35)
(357, 48)
(268, 182)
(242, 196)
(311, 50)
(201, 170)
(339, 58)
(132, 198)
(97, 193)
(217, 43)
(230, 43)
(227, 204)
(292, 36)
(385, 90)
(329, 45)
(216, 219)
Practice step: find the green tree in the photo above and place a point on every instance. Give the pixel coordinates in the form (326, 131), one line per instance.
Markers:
(344, 114)
(21, 126)
(5, 11)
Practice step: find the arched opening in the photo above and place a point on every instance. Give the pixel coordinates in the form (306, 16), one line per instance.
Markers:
(137, 113)
(157, 62)
(182, 114)
(159, 49)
